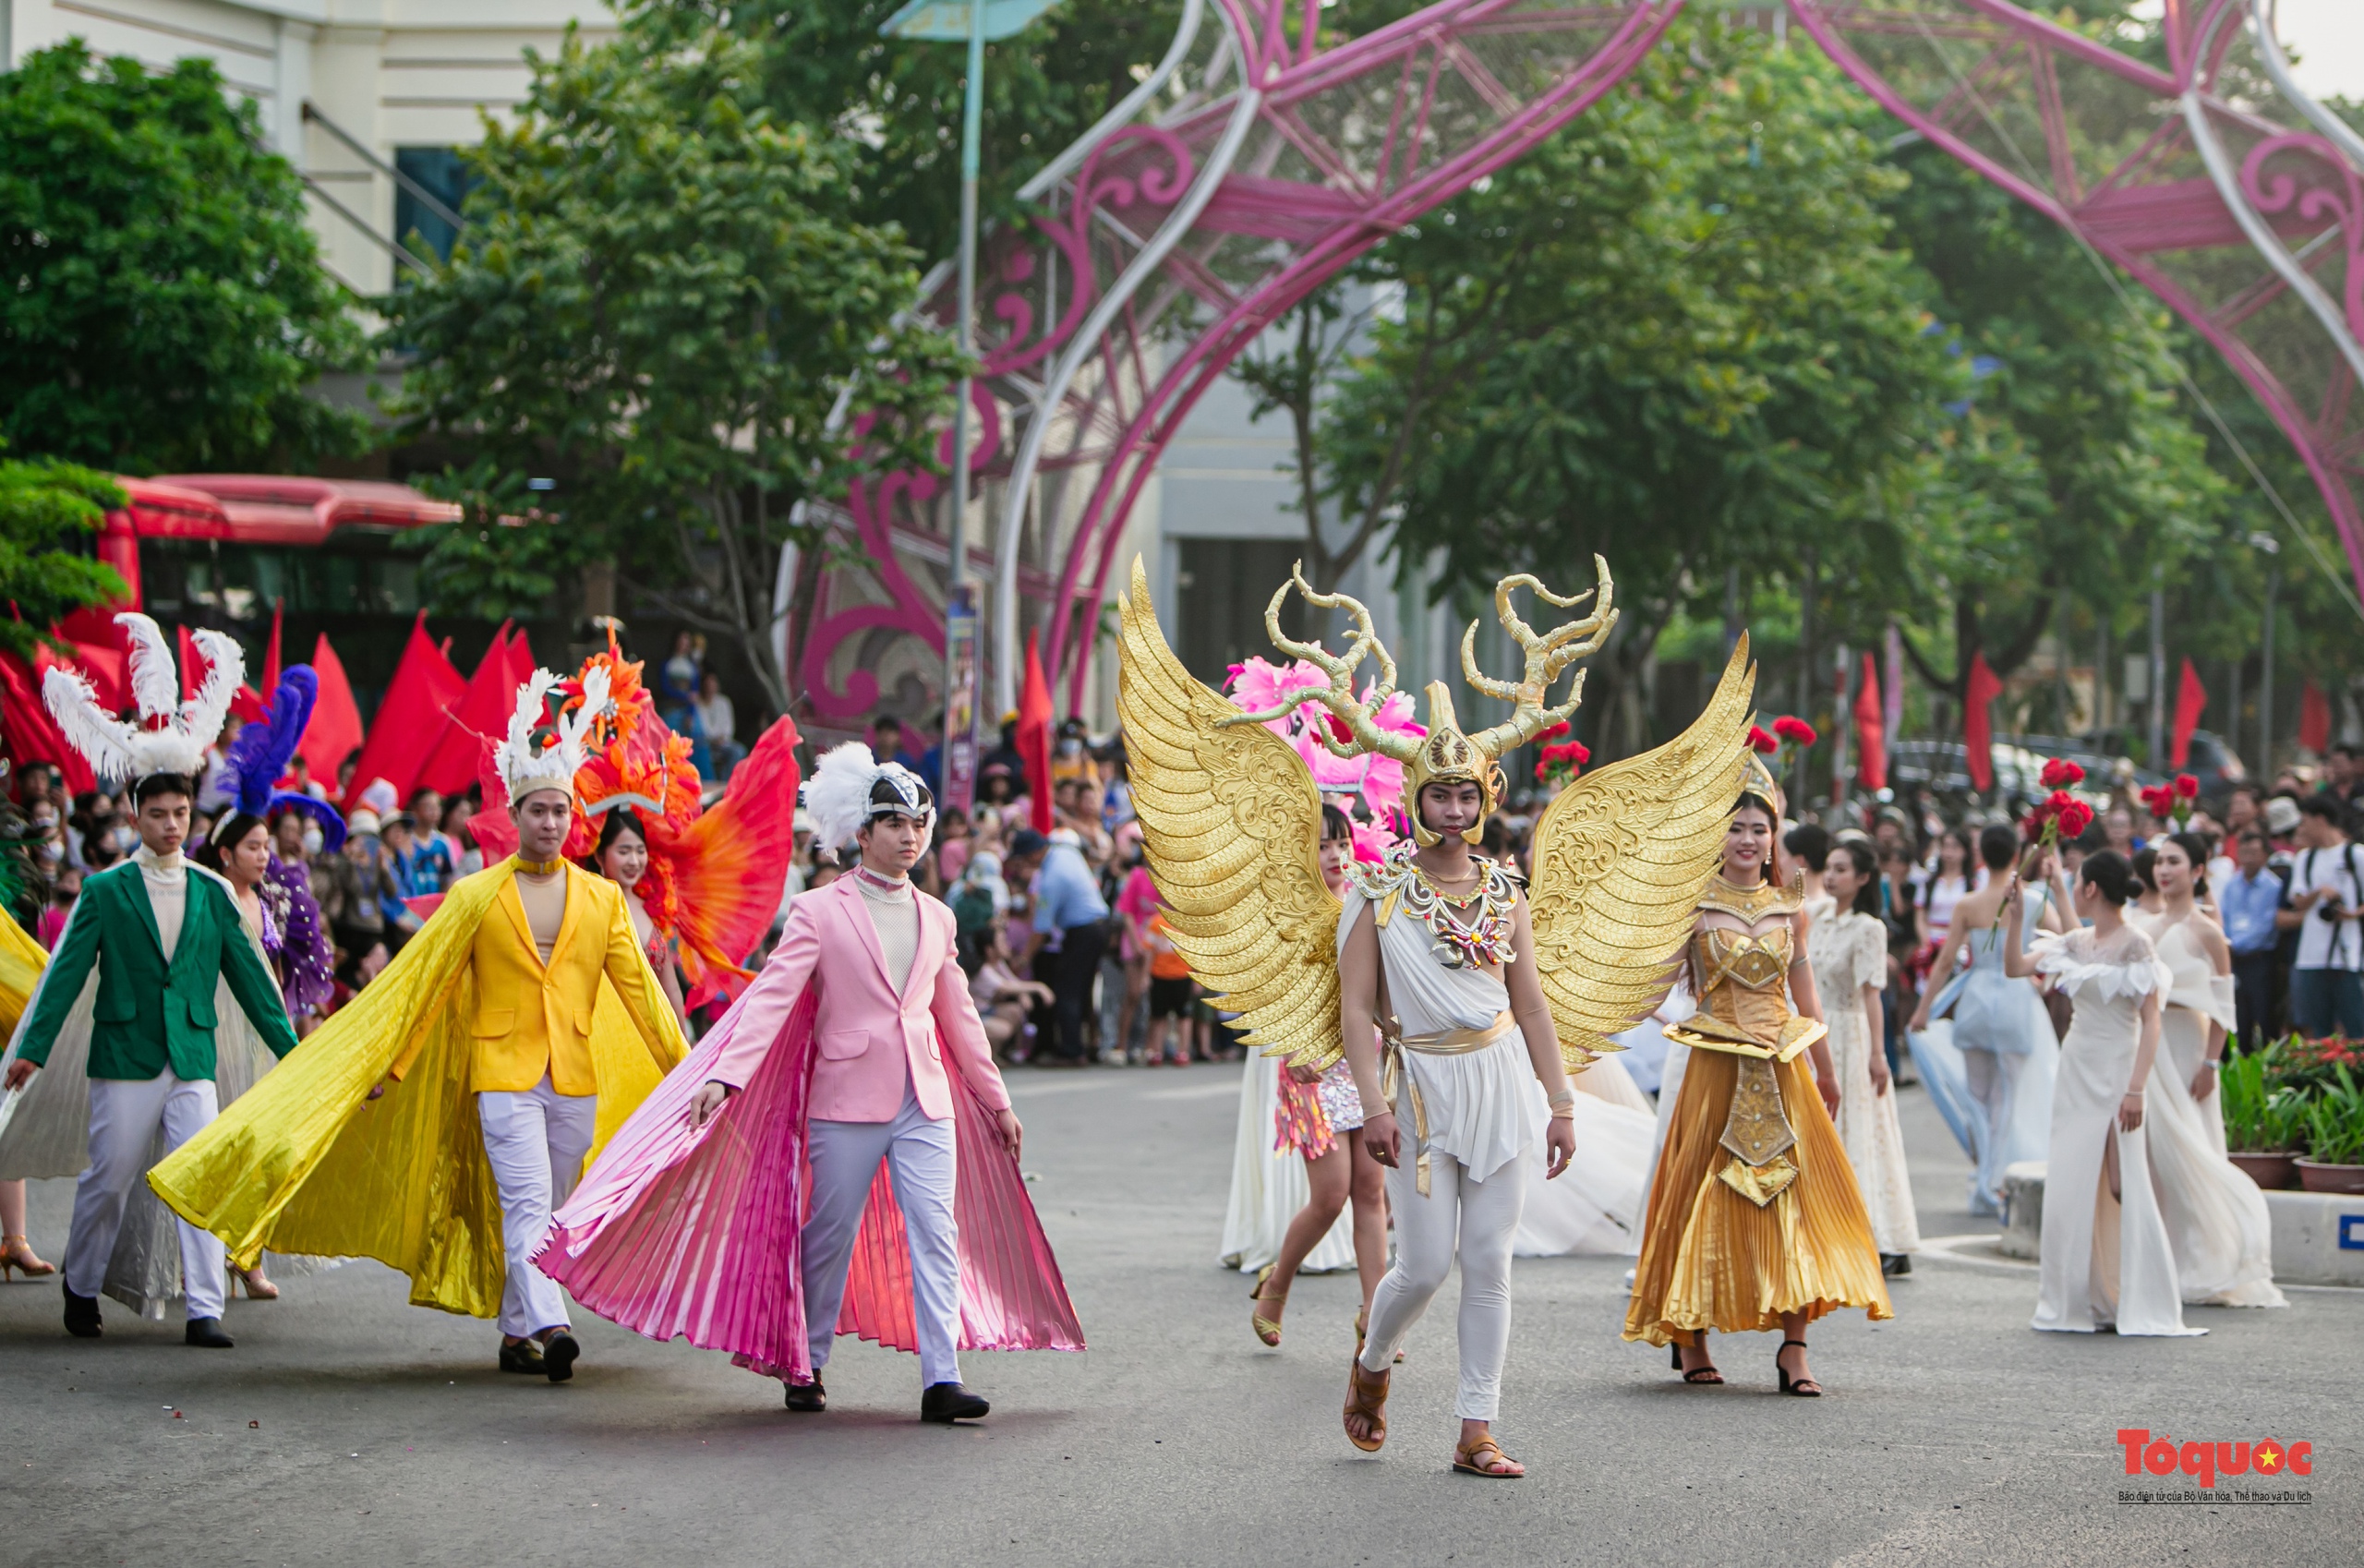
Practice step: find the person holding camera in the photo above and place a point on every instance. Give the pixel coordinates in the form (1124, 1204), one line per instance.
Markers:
(2326, 908)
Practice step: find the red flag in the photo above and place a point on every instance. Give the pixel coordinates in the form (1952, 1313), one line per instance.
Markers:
(271, 653)
(2191, 701)
(29, 732)
(1977, 725)
(192, 663)
(482, 714)
(2314, 719)
(336, 729)
(520, 663)
(1034, 736)
(410, 720)
(1871, 730)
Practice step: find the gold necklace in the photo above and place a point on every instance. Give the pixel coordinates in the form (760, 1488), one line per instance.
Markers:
(538, 868)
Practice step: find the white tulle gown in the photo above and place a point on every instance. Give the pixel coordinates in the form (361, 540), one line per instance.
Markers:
(1849, 952)
(2103, 1260)
(1596, 1205)
(2218, 1222)
(1269, 1186)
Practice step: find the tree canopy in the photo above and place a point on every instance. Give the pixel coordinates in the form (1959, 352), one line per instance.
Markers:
(166, 306)
(658, 304)
(44, 505)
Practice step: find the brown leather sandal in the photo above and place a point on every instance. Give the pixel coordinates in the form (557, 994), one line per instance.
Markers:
(1466, 1461)
(1366, 1397)
(1267, 1329)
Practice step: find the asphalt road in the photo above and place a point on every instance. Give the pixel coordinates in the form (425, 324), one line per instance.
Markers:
(349, 1428)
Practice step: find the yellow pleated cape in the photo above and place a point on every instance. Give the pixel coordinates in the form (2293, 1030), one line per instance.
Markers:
(21, 961)
(306, 1162)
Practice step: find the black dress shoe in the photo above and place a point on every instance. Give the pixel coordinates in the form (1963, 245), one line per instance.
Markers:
(522, 1357)
(206, 1333)
(558, 1352)
(808, 1399)
(1896, 1265)
(82, 1315)
(952, 1402)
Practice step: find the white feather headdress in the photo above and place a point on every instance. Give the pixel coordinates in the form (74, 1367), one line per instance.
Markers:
(839, 795)
(524, 768)
(172, 735)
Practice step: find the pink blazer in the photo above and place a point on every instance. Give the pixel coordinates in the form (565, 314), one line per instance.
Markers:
(866, 1037)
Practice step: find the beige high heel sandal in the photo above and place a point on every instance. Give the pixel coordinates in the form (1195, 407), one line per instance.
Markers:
(1267, 1329)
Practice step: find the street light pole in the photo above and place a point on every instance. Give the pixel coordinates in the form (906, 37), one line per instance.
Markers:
(975, 21)
(2272, 549)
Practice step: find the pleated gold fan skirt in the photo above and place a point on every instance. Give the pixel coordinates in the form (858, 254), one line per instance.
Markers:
(1712, 1260)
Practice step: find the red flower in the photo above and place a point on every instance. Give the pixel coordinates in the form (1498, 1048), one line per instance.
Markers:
(2075, 817)
(1338, 727)
(1758, 740)
(1555, 732)
(2187, 786)
(2060, 771)
(1789, 727)
(2158, 800)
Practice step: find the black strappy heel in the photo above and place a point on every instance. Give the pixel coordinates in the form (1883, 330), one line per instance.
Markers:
(1805, 1387)
(1699, 1375)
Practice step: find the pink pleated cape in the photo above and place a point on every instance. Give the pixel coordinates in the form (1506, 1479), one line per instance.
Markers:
(695, 1232)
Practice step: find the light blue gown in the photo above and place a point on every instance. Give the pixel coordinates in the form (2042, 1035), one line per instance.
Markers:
(1991, 1073)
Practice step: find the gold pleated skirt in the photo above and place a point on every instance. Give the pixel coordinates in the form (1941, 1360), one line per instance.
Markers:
(1712, 1260)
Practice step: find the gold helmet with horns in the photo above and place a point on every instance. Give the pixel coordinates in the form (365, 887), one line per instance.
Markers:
(1447, 754)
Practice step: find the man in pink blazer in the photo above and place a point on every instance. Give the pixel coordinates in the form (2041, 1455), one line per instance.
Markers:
(894, 1014)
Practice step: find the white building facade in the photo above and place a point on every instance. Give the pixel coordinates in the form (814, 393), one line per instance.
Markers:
(353, 92)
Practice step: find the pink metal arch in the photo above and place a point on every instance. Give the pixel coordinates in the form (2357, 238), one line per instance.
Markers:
(2214, 182)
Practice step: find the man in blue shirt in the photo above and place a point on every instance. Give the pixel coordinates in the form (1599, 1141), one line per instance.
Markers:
(2247, 901)
(1070, 919)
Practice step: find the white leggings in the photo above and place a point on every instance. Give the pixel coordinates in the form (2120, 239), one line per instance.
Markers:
(1475, 1219)
(535, 1140)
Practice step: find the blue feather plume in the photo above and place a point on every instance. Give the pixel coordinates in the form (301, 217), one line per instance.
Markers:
(260, 756)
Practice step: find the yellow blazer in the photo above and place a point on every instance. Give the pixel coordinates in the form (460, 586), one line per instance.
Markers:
(531, 1019)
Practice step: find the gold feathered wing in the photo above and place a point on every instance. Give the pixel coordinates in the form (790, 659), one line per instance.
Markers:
(1232, 821)
(1619, 861)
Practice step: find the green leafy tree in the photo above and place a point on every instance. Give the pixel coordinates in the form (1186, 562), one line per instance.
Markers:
(166, 306)
(657, 306)
(45, 507)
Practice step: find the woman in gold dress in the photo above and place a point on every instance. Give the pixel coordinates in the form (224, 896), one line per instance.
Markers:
(1754, 1219)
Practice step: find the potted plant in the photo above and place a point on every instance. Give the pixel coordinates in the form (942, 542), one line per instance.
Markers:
(2265, 1125)
(2334, 1136)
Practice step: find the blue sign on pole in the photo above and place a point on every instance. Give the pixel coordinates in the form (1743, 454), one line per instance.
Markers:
(2351, 1233)
(947, 22)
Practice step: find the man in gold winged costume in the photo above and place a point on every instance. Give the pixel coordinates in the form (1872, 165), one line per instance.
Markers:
(1461, 1002)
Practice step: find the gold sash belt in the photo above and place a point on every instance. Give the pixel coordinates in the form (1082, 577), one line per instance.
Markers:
(1452, 1042)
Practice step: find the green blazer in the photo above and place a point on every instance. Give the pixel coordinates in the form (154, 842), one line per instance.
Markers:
(149, 1016)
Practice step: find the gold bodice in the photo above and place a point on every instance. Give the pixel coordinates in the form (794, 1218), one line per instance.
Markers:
(1743, 979)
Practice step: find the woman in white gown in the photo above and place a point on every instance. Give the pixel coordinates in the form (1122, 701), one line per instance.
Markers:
(2218, 1222)
(1849, 950)
(2004, 1037)
(2103, 1259)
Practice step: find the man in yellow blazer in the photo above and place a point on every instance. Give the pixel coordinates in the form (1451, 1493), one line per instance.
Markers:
(436, 1120)
(538, 959)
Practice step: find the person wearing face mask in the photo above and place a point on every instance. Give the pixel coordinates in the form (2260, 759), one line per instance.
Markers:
(730, 1210)
(480, 1060)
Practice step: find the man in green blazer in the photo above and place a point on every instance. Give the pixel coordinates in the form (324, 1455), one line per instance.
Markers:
(162, 935)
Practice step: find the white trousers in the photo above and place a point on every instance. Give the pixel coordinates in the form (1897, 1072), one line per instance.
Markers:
(922, 1160)
(1475, 1221)
(124, 1116)
(535, 1141)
